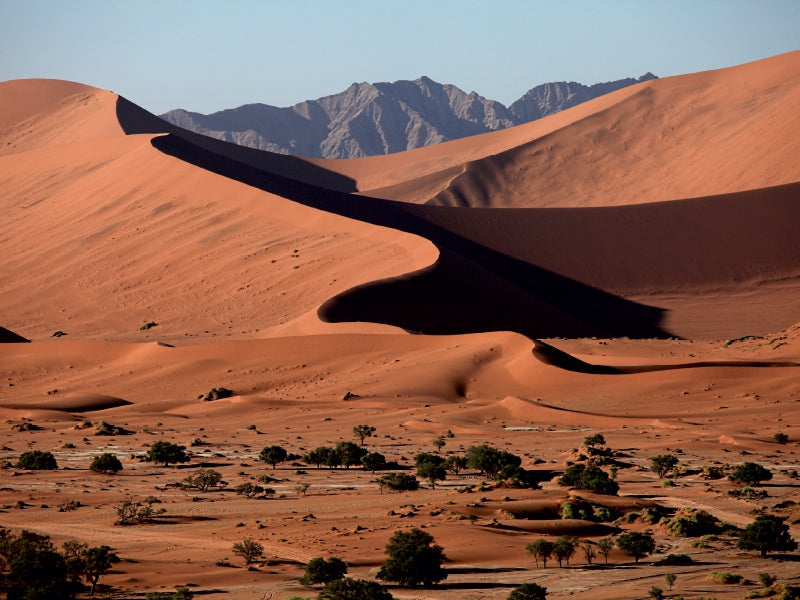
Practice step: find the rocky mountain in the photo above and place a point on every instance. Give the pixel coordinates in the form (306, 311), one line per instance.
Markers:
(383, 118)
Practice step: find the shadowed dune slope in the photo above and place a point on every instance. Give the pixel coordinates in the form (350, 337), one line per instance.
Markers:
(687, 136)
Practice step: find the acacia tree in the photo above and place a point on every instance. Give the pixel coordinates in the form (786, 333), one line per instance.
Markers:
(374, 461)
(350, 453)
(96, 563)
(767, 533)
(636, 544)
(563, 548)
(588, 552)
(36, 460)
(249, 550)
(662, 464)
(430, 467)
(540, 548)
(319, 570)
(106, 463)
(354, 589)
(750, 473)
(273, 455)
(528, 591)
(414, 559)
(455, 463)
(605, 546)
(362, 432)
(167, 453)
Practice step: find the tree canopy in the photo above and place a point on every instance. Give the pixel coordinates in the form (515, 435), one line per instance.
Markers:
(36, 460)
(414, 559)
(767, 533)
(106, 463)
(167, 453)
(750, 473)
(319, 570)
(636, 544)
(590, 478)
(273, 455)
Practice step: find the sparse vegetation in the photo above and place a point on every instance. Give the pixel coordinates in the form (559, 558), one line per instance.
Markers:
(399, 482)
(490, 460)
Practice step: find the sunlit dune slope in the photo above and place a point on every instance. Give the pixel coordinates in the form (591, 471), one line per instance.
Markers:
(702, 134)
(102, 233)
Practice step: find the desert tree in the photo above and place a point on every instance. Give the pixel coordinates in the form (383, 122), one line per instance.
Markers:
(37, 460)
(490, 460)
(590, 478)
(750, 473)
(399, 482)
(318, 456)
(636, 544)
(414, 559)
(354, 589)
(588, 552)
(374, 461)
(455, 464)
(273, 455)
(670, 579)
(563, 548)
(663, 464)
(656, 593)
(96, 563)
(249, 490)
(302, 488)
(439, 443)
(362, 432)
(767, 533)
(204, 480)
(540, 549)
(350, 453)
(590, 441)
(430, 467)
(106, 463)
(605, 546)
(528, 591)
(249, 550)
(319, 570)
(167, 453)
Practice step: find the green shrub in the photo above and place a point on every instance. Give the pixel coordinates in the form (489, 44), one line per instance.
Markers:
(590, 478)
(414, 559)
(724, 577)
(106, 463)
(36, 460)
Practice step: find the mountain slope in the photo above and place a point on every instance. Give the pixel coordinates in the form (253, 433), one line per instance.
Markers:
(383, 118)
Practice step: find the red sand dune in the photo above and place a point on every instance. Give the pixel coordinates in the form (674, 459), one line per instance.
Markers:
(670, 208)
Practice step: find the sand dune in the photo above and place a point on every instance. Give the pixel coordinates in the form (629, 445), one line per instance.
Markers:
(176, 264)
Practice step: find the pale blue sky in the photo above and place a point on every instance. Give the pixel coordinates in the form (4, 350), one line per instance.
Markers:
(206, 55)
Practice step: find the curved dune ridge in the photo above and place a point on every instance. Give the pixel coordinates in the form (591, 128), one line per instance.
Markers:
(687, 136)
(204, 238)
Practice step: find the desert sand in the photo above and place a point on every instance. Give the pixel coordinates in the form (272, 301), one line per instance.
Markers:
(629, 267)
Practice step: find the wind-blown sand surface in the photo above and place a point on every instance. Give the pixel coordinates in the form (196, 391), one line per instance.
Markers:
(666, 210)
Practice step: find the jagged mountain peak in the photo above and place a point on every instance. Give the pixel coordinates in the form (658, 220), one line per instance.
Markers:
(381, 118)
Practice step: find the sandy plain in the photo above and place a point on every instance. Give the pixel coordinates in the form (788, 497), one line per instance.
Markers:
(629, 267)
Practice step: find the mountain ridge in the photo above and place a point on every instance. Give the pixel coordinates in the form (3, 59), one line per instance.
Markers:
(369, 119)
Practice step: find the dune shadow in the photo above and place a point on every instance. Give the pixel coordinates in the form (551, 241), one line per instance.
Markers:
(551, 355)
(470, 289)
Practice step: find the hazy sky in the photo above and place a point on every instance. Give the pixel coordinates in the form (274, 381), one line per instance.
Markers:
(206, 55)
